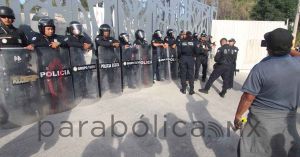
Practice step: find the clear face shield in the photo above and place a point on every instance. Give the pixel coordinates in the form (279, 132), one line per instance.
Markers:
(76, 29)
(141, 35)
(159, 34)
(126, 38)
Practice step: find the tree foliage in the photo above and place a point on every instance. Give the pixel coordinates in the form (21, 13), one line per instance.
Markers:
(274, 10)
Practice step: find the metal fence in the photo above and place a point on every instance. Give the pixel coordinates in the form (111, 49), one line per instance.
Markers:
(122, 15)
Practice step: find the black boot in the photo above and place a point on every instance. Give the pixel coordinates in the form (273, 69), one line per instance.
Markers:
(183, 91)
(222, 94)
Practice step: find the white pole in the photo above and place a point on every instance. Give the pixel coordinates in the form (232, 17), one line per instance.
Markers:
(296, 22)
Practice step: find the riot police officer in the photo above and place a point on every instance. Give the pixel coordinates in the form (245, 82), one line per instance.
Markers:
(234, 52)
(50, 58)
(224, 61)
(171, 42)
(187, 63)
(107, 54)
(202, 57)
(145, 57)
(140, 38)
(11, 37)
(157, 46)
(76, 39)
(129, 54)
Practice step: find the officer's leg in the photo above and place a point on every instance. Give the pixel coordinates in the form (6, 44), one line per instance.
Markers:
(191, 69)
(204, 68)
(231, 77)
(213, 77)
(130, 76)
(183, 74)
(154, 65)
(197, 67)
(226, 75)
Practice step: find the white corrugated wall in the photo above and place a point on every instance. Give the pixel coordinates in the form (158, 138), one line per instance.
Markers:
(248, 35)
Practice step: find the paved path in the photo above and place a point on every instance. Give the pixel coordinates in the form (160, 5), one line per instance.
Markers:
(200, 130)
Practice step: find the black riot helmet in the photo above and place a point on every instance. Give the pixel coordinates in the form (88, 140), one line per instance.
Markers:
(46, 22)
(104, 28)
(195, 36)
(157, 34)
(139, 34)
(124, 38)
(6, 12)
(170, 33)
(75, 28)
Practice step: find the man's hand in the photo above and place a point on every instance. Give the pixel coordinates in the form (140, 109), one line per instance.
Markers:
(30, 47)
(127, 46)
(238, 122)
(165, 45)
(86, 46)
(116, 45)
(54, 45)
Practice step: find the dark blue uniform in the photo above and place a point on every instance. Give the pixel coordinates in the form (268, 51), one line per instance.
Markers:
(11, 37)
(156, 52)
(171, 41)
(234, 52)
(187, 64)
(224, 62)
(75, 43)
(201, 59)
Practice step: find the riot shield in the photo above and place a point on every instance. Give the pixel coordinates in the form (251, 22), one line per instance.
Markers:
(110, 82)
(57, 90)
(146, 65)
(84, 73)
(164, 64)
(173, 61)
(131, 71)
(19, 96)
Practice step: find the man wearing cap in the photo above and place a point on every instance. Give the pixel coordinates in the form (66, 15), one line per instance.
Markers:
(234, 52)
(271, 94)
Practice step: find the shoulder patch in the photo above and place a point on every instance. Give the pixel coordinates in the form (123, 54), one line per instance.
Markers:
(66, 39)
(33, 38)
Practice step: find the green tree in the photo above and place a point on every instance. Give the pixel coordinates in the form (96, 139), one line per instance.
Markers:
(274, 10)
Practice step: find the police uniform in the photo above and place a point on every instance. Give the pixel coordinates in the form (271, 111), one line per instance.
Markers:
(156, 55)
(78, 59)
(201, 59)
(50, 59)
(187, 64)
(12, 37)
(224, 61)
(171, 41)
(234, 52)
(107, 56)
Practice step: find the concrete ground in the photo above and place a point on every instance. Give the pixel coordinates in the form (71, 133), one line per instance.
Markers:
(113, 127)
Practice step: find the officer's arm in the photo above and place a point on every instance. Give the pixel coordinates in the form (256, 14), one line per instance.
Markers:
(156, 44)
(38, 42)
(74, 43)
(104, 43)
(218, 56)
(62, 41)
(24, 39)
